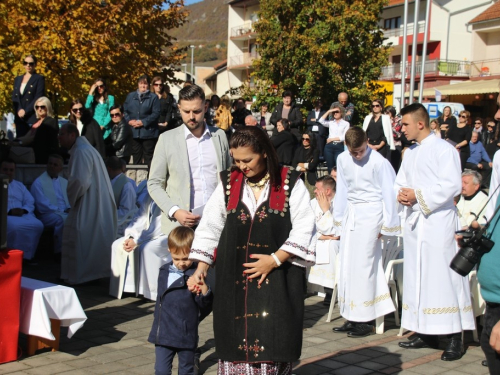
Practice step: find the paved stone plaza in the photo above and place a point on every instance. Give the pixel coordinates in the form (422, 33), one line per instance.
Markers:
(114, 340)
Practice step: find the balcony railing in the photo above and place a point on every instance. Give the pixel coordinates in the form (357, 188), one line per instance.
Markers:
(240, 30)
(243, 59)
(485, 68)
(432, 67)
(399, 32)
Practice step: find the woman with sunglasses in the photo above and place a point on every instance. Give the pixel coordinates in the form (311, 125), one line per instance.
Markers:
(306, 160)
(336, 133)
(378, 129)
(42, 136)
(121, 135)
(158, 87)
(28, 88)
(446, 120)
(99, 103)
(460, 135)
(87, 126)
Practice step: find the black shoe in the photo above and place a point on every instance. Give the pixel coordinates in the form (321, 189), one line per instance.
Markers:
(484, 362)
(420, 343)
(361, 330)
(454, 350)
(346, 327)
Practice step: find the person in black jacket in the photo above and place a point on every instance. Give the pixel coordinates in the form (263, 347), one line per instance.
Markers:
(239, 114)
(121, 135)
(306, 160)
(284, 142)
(42, 136)
(141, 111)
(27, 89)
(290, 111)
(88, 127)
(313, 125)
(180, 305)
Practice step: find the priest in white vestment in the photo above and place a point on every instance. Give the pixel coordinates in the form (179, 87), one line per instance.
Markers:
(364, 210)
(472, 204)
(436, 299)
(136, 257)
(90, 228)
(494, 186)
(51, 200)
(325, 271)
(123, 192)
(23, 228)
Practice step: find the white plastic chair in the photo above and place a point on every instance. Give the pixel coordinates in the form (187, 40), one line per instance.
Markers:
(477, 301)
(391, 247)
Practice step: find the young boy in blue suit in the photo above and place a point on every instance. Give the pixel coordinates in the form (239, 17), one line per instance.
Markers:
(178, 310)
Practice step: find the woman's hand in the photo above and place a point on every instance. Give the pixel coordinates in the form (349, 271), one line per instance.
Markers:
(92, 89)
(262, 267)
(200, 274)
(21, 113)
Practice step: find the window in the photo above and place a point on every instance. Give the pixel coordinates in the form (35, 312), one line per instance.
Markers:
(392, 23)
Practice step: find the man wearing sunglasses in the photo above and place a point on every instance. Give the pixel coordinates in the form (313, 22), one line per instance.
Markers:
(27, 89)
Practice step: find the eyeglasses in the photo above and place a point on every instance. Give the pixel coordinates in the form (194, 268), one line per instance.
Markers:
(28, 63)
(37, 107)
(335, 112)
(75, 110)
(158, 84)
(478, 123)
(100, 86)
(463, 116)
(306, 139)
(375, 105)
(490, 126)
(115, 114)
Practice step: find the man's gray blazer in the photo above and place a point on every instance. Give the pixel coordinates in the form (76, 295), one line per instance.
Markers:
(169, 182)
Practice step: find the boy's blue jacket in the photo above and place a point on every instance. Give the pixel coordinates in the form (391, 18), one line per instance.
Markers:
(178, 311)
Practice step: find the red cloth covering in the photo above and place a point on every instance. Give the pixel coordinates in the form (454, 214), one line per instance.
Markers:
(11, 262)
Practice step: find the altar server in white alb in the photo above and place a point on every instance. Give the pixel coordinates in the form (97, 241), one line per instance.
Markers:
(436, 300)
(123, 192)
(51, 200)
(325, 271)
(90, 228)
(23, 228)
(136, 257)
(364, 210)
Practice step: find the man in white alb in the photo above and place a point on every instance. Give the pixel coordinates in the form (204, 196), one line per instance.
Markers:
(324, 272)
(436, 299)
(186, 163)
(364, 210)
(23, 228)
(472, 203)
(124, 194)
(51, 200)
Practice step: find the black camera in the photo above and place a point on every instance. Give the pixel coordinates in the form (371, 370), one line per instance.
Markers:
(473, 246)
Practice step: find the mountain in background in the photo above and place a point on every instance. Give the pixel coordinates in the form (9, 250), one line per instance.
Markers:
(206, 28)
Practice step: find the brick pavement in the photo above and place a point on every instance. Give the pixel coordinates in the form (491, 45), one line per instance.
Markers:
(114, 340)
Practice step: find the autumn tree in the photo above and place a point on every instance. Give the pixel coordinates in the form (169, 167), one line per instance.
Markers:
(318, 48)
(78, 41)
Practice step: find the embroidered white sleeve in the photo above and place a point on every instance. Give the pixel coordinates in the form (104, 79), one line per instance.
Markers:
(212, 223)
(299, 243)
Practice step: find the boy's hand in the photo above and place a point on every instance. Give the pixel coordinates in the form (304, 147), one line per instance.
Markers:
(195, 287)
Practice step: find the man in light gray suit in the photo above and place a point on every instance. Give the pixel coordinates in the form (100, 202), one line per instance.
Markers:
(186, 163)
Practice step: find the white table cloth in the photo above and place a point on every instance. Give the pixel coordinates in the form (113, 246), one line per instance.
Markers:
(42, 301)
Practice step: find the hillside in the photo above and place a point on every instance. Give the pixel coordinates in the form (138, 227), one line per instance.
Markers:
(207, 24)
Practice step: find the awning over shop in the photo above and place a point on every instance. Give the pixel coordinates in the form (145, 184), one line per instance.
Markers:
(463, 88)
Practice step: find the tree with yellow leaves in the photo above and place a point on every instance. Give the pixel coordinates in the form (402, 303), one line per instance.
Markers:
(77, 41)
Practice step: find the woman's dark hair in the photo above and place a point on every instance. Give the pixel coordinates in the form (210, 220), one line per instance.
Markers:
(162, 92)
(72, 117)
(285, 123)
(258, 141)
(442, 114)
(391, 110)
(380, 102)
(144, 77)
(97, 96)
(218, 100)
(312, 145)
(287, 93)
(86, 117)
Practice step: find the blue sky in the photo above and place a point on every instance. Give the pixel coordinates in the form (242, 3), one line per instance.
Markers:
(189, 2)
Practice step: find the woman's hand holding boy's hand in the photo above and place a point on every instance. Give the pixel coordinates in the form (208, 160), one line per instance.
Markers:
(196, 287)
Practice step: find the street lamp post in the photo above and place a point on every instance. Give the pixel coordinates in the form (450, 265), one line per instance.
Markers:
(192, 55)
(185, 72)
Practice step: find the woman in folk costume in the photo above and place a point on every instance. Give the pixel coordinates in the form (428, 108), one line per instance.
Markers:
(258, 226)
(364, 210)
